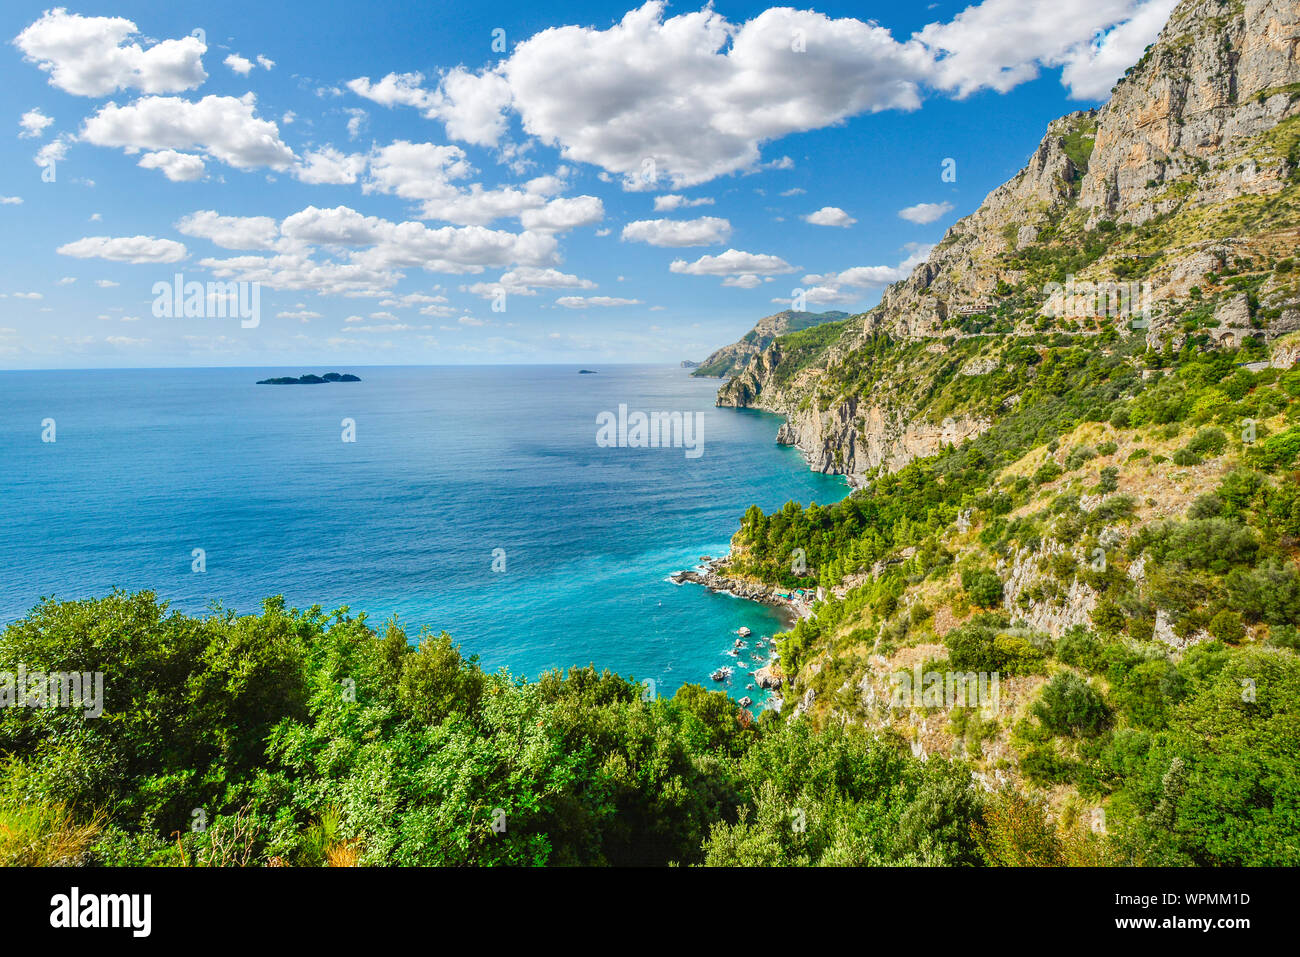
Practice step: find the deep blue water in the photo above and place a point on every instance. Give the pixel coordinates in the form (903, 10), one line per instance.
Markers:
(448, 465)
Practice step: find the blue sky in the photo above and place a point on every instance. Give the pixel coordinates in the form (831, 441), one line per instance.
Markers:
(622, 183)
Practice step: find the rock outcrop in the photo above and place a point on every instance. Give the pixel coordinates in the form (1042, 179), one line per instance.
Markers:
(713, 577)
(855, 439)
(1220, 74)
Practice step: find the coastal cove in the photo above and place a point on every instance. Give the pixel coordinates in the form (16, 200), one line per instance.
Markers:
(474, 500)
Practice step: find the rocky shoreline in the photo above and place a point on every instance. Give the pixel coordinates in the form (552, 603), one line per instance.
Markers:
(712, 575)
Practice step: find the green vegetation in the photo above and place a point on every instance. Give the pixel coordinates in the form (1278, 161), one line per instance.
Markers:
(1120, 540)
(1173, 705)
(910, 507)
(1078, 144)
(1117, 548)
(1070, 705)
(307, 738)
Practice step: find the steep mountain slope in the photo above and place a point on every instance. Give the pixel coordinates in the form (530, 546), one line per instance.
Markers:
(1187, 181)
(1093, 514)
(730, 359)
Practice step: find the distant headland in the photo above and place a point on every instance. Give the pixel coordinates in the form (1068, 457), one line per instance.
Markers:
(586, 372)
(310, 379)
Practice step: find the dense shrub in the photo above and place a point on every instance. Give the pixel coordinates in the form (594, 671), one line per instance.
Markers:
(983, 644)
(1078, 647)
(1146, 693)
(1227, 626)
(1269, 593)
(983, 587)
(1069, 705)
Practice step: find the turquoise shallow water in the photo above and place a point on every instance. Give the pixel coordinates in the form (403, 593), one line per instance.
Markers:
(449, 464)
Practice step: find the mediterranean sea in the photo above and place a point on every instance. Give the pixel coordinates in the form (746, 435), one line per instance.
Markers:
(474, 499)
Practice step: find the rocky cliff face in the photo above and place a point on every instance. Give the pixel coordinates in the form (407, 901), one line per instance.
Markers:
(855, 438)
(852, 434)
(1186, 180)
(1221, 73)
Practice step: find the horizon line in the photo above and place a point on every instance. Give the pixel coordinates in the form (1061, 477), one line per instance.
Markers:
(378, 365)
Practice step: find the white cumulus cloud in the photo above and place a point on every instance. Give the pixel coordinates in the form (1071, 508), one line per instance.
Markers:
(563, 214)
(830, 216)
(470, 105)
(923, 213)
(705, 231)
(526, 280)
(588, 302)
(33, 124)
(1091, 69)
(670, 201)
(733, 262)
(222, 127)
(847, 286)
(685, 99)
(328, 165)
(999, 44)
(697, 95)
(230, 232)
(90, 56)
(177, 167)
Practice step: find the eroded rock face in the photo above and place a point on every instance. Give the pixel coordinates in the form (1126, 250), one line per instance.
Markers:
(854, 439)
(853, 436)
(1286, 355)
(1164, 632)
(805, 703)
(1213, 78)
(1053, 617)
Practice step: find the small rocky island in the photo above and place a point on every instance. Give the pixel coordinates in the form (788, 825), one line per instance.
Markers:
(310, 379)
(586, 372)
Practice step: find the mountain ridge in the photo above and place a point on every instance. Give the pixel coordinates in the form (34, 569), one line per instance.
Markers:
(1153, 187)
(729, 359)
